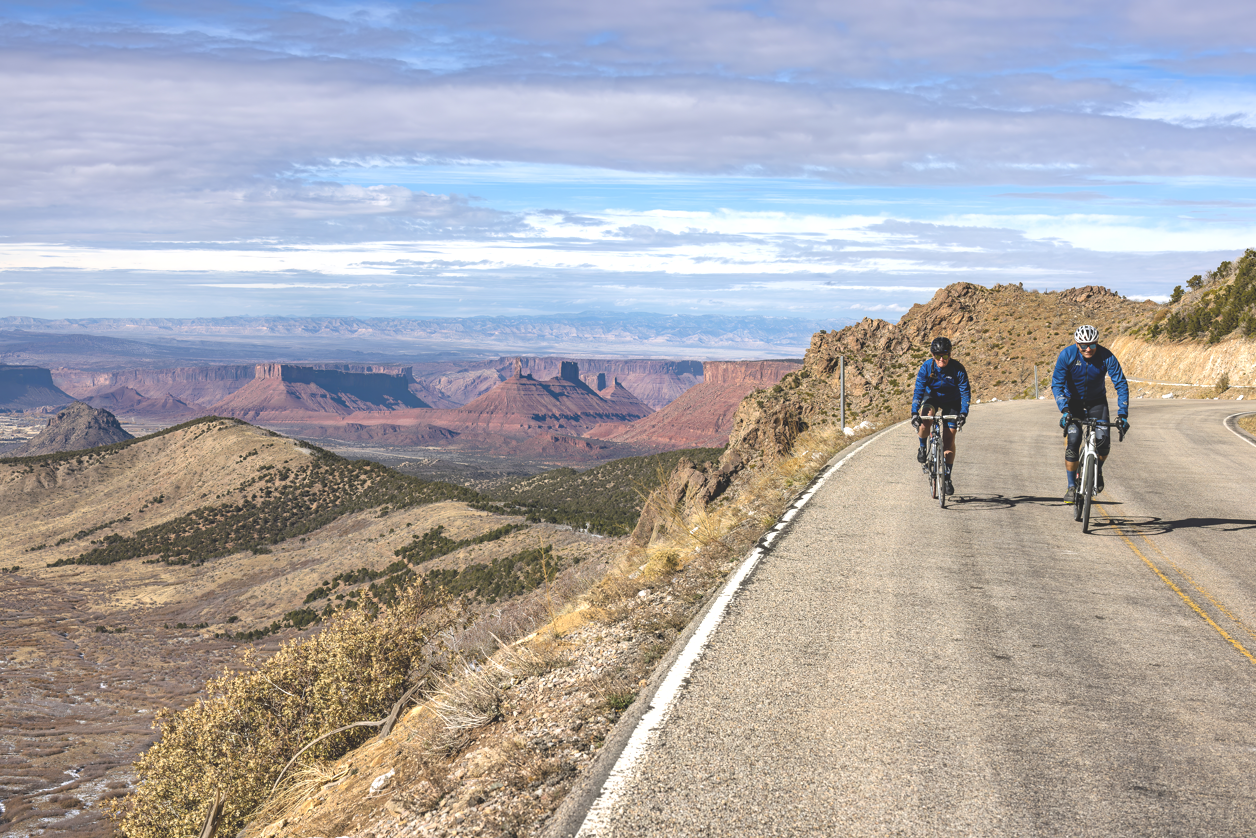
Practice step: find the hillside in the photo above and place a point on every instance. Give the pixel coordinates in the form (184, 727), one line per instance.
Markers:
(605, 499)
(1214, 306)
(137, 571)
(1203, 343)
(129, 403)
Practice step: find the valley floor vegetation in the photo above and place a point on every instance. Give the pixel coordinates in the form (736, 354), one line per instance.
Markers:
(605, 500)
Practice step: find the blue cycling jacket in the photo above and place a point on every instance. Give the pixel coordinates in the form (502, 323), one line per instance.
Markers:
(1080, 382)
(941, 385)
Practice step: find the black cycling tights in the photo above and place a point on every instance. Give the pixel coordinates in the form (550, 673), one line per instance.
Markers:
(1103, 440)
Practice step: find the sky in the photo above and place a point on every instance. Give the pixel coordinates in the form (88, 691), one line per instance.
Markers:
(801, 158)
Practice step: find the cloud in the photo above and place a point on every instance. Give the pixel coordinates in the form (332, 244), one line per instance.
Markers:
(236, 142)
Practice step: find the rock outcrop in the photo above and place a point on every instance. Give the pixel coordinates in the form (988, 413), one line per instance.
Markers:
(702, 417)
(26, 388)
(78, 427)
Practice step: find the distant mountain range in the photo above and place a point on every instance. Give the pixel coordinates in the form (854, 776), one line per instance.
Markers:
(608, 334)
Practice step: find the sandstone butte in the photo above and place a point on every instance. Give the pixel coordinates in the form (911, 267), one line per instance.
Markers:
(522, 407)
(196, 386)
(701, 417)
(287, 393)
(26, 388)
(440, 384)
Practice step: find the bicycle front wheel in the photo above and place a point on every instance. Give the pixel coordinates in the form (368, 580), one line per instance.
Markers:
(941, 468)
(933, 468)
(1088, 482)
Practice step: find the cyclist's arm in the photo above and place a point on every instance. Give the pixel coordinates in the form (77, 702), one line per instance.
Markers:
(1120, 384)
(1059, 381)
(918, 395)
(965, 394)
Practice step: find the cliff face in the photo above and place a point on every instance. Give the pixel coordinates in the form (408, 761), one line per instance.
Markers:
(702, 417)
(24, 388)
(192, 385)
(655, 383)
(522, 406)
(282, 392)
(760, 373)
(78, 427)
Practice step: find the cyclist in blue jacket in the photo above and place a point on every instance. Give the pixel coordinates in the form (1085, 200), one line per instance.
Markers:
(1081, 392)
(941, 388)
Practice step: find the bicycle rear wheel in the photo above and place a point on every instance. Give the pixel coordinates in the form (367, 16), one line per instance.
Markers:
(1088, 482)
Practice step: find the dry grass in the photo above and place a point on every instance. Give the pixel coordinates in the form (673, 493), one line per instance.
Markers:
(1248, 423)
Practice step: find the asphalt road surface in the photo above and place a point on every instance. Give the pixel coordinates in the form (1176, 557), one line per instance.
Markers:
(892, 668)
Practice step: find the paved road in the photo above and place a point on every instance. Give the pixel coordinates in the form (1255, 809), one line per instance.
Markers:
(892, 668)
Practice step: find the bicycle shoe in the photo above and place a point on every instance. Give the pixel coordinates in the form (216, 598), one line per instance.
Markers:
(947, 487)
(1071, 495)
(1098, 481)
(920, 454)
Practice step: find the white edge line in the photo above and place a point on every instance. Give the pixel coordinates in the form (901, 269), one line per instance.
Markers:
(625, 767)
(1231, 421)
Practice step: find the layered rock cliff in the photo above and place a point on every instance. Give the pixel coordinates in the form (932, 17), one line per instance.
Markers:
(702, 417)
(656, 383)
(522, 406)
(287, 393)
(191, 385)
(26, 387)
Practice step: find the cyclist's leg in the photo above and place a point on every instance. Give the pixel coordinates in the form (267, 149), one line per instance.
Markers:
(948, 432)
(1103, 435)
(926, 409)
(1103, 441)
(926, 424)
(1072, 442)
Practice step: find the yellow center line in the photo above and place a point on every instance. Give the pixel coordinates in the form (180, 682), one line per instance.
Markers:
(1204, 593)
(1185, 598)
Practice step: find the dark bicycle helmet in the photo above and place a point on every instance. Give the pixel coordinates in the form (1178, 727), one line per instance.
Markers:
(940, 346)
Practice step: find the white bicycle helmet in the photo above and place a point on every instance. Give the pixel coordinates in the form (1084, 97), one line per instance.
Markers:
(1086, 334)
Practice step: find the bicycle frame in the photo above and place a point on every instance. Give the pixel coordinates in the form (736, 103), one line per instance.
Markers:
(935, 459)
(1088, 468)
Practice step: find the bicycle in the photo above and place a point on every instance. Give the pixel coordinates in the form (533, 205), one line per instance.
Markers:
(1088, 460)
(935, 458)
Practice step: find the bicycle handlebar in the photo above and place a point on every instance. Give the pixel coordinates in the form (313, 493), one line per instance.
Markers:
(1101, 423)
